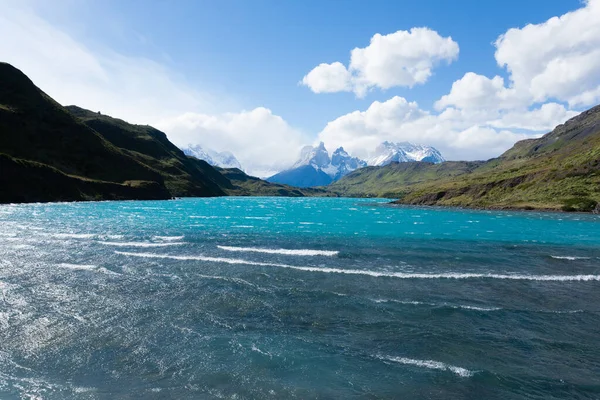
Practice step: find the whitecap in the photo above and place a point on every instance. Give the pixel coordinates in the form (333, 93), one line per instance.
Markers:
(288, 252)
(141, 244)
(570, 258)
(265, 353)
(455, 306)
(167, 238)
(400, 275)
(431, 364)
(73, 235)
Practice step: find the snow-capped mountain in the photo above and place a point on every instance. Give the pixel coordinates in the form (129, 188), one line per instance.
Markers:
(344, 163)
(223, 159)
(316, 168)
(388, 152)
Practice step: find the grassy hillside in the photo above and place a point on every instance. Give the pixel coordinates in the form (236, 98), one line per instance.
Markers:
(396, 179)
(83, 155)
(559, 171)
(24, 181)
(35, 127)
(182, 175)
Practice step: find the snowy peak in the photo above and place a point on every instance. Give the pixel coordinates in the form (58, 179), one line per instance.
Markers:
(317, 157)
(224, 159)
(316, 168)
(345, 163)
(388, 152)
(336, 166)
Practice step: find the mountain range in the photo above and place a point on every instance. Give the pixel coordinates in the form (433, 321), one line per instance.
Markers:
(316, 168)
(223, 159)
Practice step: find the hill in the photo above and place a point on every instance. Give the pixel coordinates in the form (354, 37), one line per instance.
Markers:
(182, 175)
(50, 154)
(559, 171)
(396, 179)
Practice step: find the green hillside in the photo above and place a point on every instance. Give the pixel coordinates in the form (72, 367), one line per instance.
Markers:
(183, 176)
(559, 171)
(396, 179)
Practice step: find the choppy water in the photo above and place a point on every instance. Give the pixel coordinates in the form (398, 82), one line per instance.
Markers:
(277, 298)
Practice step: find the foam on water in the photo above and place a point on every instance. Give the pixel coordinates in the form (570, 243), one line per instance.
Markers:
(421, 303)
(287, 252)
(570, 258)
(73, 235)
(400, 275)
(141, 244)
(431, 364)
(168, 238)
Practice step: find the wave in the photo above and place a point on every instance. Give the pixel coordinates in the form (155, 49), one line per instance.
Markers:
(73, 235)
(141, 244)
(431, 364)
(455, 306)
(287, 252)
(570, 258)
(167, 238)
(400, 275)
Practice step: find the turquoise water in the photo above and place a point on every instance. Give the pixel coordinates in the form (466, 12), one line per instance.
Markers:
(257, 298)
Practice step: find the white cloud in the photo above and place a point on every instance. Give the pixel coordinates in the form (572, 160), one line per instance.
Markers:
(402, 58)
(329, 78)
(263, 142)
(475, 91)
(559, 58)
(456, 133)
(544, 118)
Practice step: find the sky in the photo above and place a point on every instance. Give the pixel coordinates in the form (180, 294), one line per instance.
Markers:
(263, 78)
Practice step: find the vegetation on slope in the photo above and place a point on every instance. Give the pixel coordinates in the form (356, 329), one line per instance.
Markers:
(23, 181)
(559, 171)
(396, 179)
(182, 175)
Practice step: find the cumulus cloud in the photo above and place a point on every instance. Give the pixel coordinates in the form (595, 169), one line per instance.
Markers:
(456, 134)
(558, 60)
(329, 78)
(475, 91)
(402, 58)
(264, 143)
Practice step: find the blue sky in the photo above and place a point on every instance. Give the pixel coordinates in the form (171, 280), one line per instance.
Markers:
(219, 59)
